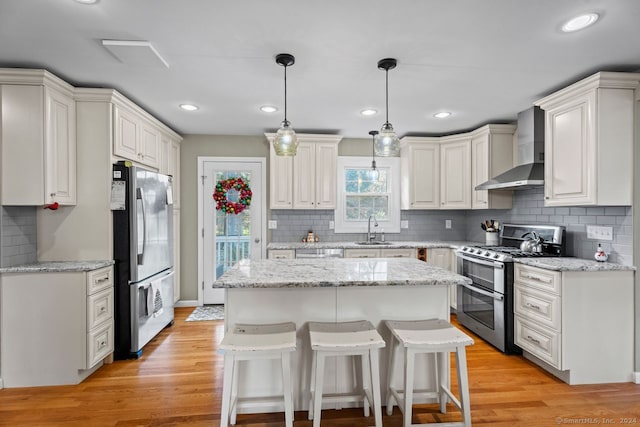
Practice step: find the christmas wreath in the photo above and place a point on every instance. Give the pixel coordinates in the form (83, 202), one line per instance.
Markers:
(220, 195)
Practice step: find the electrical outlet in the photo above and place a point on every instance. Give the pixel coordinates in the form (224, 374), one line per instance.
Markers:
(273, 224)
(599, 233)
(447, 223)
(332, 225)
(404, 223)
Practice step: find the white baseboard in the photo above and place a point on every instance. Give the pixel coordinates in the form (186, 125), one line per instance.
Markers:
(1, 385)
(186, 303)
(636, 378)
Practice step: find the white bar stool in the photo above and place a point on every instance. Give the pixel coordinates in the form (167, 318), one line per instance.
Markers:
(251, 342)
(428, 336)
(357, 338)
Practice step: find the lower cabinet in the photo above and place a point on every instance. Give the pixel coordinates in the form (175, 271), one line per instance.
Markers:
(578, 325)
(445, 258)
(282, 253)
(57, 327)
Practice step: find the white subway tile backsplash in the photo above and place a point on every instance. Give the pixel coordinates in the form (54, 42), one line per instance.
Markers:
(17, 235)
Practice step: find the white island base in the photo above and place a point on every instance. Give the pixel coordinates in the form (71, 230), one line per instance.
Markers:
(329, 304)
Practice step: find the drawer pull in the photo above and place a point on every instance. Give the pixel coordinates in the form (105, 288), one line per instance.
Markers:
(104, 279)
(536, 307)
(538, 278)
(533, 340)
(103, 309)
(102, 344)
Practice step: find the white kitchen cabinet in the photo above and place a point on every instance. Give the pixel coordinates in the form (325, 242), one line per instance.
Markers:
(176, 255)
(420, 171)
(491, 155)
(307, 180)
(380, 253)
(282, 254)
(38, 138)
(66, 326)
(136, 138)
(578, 325)
(445, 258)
(455, 176)
(170, 164)
(589, 137)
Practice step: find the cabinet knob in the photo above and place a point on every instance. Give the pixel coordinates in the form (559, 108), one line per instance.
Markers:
(546, 197)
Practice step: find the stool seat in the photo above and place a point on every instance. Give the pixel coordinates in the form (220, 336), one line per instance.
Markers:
(427, 333)
(245, 342)
(344, 335)
(357, 338)
(435, 336)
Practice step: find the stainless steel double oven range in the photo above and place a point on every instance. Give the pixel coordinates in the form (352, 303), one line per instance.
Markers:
(486, 305)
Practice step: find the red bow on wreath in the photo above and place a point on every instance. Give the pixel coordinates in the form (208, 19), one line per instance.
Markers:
(220, 195)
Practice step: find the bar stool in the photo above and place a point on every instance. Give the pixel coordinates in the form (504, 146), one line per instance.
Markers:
(251, 342)
(428, 336)
(357, 338)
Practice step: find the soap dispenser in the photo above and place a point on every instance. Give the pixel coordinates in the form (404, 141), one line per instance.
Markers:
(600, 255)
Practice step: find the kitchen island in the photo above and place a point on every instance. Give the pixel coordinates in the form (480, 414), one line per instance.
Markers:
(330, 290)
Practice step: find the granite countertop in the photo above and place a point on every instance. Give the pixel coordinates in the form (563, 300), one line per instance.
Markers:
(57, 266)
(354, 245)
(334, 272)
(573, 264)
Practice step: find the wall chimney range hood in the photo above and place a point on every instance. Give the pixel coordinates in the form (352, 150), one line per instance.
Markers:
(529, 173)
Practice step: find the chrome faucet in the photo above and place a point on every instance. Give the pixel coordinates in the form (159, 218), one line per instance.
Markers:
(371, 236)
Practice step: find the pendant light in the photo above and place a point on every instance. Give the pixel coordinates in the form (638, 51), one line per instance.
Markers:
(387, 143)
(373, 173)
(286, 141)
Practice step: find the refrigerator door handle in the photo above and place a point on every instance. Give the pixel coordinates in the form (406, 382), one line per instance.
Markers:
(140, 202)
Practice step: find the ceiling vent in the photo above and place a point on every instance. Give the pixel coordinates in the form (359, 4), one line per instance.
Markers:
(132, 52)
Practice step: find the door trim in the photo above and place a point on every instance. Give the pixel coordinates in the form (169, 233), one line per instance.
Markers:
(263, 207)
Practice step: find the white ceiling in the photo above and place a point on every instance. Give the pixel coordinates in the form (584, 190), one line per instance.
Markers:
(482, 60)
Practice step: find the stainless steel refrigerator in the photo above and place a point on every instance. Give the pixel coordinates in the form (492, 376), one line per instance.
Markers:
(141, 201)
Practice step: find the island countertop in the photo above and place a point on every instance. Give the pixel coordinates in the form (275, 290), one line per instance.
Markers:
(336, 272)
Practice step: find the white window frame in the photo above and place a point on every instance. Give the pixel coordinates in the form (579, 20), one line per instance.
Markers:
(392, 224)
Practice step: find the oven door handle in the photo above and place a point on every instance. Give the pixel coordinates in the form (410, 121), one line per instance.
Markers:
(495, 264)
(495, 296)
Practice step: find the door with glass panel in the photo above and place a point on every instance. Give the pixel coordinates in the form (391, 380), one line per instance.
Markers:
(232, 217)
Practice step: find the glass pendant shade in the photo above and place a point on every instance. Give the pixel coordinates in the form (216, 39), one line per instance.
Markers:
(387, 143)
(286, 141)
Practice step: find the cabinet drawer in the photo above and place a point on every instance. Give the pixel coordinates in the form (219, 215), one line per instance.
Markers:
(540, 307)
(539, 341)
(282, 254)
(398, 253)
(544, 280)
(99, 308)
(100, 279)
(99, 344)
(361, 253)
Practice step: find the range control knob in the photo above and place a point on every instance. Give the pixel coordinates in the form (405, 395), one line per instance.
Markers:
(496, 256)
(487, 253)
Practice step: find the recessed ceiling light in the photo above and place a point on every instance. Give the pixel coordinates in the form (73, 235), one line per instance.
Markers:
(442, 115)
(369, 112)
(87, 1)
(268, 109)
(580, 22)
(189, 107)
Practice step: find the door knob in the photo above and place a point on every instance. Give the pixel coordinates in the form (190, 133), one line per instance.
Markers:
(257, 240)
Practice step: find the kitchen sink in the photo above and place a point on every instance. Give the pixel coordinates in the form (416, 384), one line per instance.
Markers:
(373, 243)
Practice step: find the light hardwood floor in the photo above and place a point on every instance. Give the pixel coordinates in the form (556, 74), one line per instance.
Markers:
(178, 382)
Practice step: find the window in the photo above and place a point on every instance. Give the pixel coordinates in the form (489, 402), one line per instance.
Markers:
(360, 195)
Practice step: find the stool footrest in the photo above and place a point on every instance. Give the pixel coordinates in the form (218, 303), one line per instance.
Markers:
(399, 396)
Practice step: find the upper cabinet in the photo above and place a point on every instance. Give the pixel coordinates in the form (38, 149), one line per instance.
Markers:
(136, 138)
(420, 173)
(455, 173)
(38, 137)
(589, 132)
(491, 154)
(307, 180)
(170, 164)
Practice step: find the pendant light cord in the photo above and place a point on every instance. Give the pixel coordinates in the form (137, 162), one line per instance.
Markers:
(285, 93)
(387, 93)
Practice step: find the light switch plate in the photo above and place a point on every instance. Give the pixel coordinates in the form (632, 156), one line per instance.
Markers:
(404, 223)
(332, 225)
(273, 224)
(447, 223)
(599, 233)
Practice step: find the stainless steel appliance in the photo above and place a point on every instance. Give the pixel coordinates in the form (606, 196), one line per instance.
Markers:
(486, 306)
(141, 201)
(319, 253)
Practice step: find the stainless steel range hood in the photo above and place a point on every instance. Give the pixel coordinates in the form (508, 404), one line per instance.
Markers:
(529, 173)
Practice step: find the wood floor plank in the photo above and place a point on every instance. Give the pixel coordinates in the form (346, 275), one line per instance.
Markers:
(178, 382)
